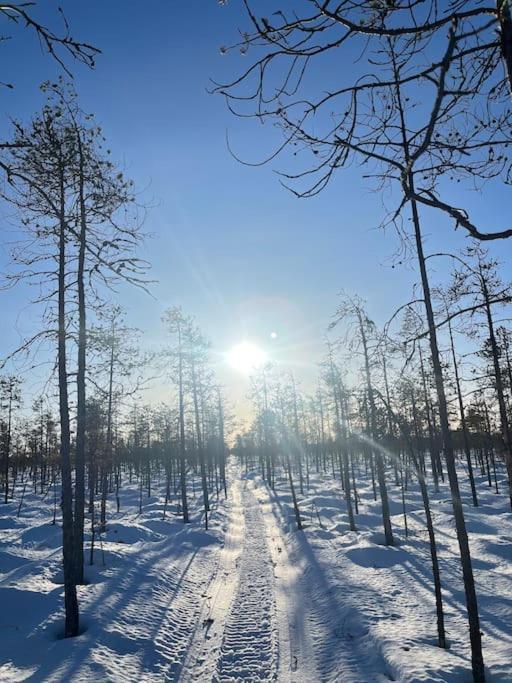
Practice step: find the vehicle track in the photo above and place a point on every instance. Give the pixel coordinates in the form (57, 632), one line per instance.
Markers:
(249, 648)
(201, 660)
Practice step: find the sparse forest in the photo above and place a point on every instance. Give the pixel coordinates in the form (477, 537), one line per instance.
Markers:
(197, 492)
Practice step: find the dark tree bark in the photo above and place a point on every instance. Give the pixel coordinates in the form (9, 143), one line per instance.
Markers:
(381, 475)
(199, 437)
(81, 416)
(70, 597)
(181, 400)
(460, 523)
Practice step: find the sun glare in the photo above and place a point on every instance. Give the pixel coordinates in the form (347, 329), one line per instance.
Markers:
(246, 357)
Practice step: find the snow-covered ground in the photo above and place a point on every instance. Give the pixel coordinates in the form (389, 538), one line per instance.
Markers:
(359, 611)
(252, 599)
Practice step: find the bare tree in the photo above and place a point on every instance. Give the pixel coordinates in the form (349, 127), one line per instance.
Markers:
(68, 193)
(351, 312)
(378, 123)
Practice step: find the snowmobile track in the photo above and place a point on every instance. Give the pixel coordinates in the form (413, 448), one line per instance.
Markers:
(249, 649)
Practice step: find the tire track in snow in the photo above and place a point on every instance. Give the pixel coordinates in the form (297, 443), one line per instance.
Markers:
(249, 649)
(181, 616)
(201, 661)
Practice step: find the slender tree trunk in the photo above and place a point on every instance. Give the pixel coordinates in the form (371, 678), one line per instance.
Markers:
(390, 423)
(107, 460)
(222, 447)
(463, 423)
(294, 497)
(341, 419)
(181, 397)
(266, 439)
(477, 661)
(200, 448)
(381, 476)
(460, 523)
(70, 598)
(298, 444)
(434, 455)
(78, 529)
(8, 442)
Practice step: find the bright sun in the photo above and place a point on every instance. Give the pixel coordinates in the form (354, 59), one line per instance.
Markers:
(246, 357)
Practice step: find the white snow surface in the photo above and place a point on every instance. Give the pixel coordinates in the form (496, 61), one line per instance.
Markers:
(252, 599)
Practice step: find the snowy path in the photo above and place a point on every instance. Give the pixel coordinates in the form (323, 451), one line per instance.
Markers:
(252, 599)
(272, 614)
(241, 642)
(249, 645)
(201, 659)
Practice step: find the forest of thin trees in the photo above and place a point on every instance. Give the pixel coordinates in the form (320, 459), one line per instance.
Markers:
(428, 106)
(81, 230)
(374, 417)
(422, 401)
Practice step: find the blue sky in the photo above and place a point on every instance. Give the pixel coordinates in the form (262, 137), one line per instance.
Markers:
(230, 245)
